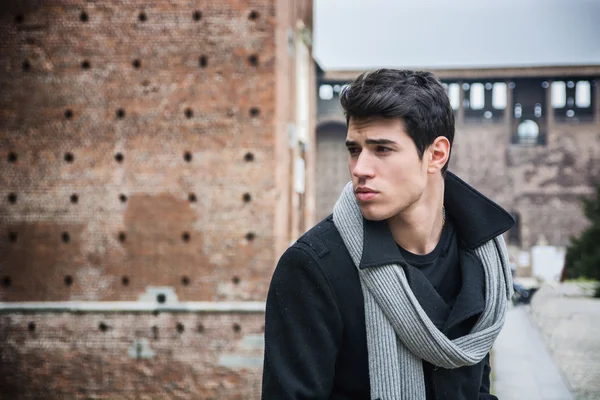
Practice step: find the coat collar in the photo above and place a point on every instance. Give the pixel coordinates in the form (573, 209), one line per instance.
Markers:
(476, 219)
(469, 302)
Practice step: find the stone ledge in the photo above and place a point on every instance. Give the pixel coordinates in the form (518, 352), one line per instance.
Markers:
(133, 306)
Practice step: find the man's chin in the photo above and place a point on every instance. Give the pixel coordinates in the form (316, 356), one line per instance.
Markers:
(371, 214)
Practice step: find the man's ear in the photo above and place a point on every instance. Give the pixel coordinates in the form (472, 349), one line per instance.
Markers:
(439, 154)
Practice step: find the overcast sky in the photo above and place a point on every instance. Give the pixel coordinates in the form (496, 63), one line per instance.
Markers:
(364, 34)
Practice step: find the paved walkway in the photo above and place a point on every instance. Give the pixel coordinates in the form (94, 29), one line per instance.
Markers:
(522, 365)
(569, 324)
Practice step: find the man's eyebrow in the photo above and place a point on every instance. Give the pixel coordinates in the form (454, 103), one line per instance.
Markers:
(351, 143)
(379, 141)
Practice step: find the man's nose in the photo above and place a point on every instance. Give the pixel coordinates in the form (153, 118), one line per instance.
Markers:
(362, 166)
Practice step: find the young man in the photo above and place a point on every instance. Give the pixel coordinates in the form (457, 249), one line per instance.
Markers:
(401, 292)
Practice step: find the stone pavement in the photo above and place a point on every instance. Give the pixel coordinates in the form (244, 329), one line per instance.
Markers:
(522, 366)
(569, 323)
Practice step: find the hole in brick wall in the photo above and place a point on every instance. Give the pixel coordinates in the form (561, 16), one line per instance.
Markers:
(253, 16)
(69, 157)
(66, 238)
(180, 327)
(12, 237)
(203, 61)
(85, 64)
(30, 41)
(12, 157)
(6, 281)
(189, 113)
(125, 281)
(247, 198)
(119, 157)
(68, 280)
(123, 198)
(254, 112)
(31, 327)
(192, 198)
(187, 156)
(26, 66)
(237, 328)
(161, 298)
(12, 198)
(74, 199)
(142, 17)
(250, 236)
(120, 113)
(122, 237)
(155, 331)
(197, 15)
(185, 280)
(68, 114)
(136, 64)
(200, 328)
(235, 280)
(83, 17)
(253, 60)
(155, 313)
(185, 236)
(249, 157)
(19, 18)
(102, 326)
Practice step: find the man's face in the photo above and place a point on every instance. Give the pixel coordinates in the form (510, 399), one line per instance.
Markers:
(387, 175)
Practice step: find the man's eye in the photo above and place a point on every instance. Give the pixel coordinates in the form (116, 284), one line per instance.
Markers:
(383, 149)
(353, 150)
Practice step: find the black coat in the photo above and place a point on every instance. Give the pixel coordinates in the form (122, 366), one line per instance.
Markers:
(315, 335)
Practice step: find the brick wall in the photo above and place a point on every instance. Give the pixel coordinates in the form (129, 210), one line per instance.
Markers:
(144, 153)
(543, 184)
(193, 192)
(130, 356)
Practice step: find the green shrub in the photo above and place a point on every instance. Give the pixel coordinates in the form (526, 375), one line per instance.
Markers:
(582, 259)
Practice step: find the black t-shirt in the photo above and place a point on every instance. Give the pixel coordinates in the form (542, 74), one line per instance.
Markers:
(441, 267)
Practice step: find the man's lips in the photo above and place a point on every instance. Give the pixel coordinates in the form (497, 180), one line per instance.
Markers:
(365, 193)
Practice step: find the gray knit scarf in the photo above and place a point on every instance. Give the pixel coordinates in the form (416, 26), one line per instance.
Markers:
(399, 333)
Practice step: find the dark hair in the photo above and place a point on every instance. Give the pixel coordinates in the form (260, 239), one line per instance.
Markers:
(417, 97)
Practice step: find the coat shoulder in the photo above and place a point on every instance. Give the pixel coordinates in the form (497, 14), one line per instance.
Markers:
(325, 246)
(322, 239)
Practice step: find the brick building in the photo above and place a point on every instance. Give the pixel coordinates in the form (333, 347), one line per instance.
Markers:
(527, 137)
(156, 160)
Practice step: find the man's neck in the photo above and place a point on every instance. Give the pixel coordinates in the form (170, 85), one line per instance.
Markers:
(418, 228)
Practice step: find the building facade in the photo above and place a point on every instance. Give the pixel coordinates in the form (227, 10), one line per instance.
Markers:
(157, 158)
(529, 138)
